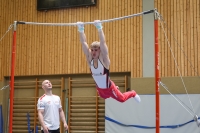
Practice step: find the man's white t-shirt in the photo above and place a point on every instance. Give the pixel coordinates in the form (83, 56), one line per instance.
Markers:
(50, 105)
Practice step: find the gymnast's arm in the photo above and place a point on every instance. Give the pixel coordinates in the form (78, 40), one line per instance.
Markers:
(85, 47)
(84, 43)
(103, 46)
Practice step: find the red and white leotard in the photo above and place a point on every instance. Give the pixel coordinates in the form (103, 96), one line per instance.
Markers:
(100, 75)
(105, 87)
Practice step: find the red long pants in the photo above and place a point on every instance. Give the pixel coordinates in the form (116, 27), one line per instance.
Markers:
(115, 93)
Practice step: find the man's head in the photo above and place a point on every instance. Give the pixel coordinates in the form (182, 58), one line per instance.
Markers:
(46, 85)
(95, 49)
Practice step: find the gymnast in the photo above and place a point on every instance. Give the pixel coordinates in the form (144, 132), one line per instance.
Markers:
(98, 60)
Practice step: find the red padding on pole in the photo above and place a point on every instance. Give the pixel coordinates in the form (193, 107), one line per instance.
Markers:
(157, 78)
(12, 82)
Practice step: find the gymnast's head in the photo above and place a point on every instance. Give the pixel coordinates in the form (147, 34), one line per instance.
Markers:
(95, 49)
(95, 44)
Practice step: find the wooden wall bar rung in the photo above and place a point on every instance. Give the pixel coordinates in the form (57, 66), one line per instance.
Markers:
(22, 82)
(22, 114)
(83, 110)
(54, 86)
(83, 85)
(82, 97)
(23, 102)
(24, 106)
(22, 123)
(24, 87)
(24, 98)
(82, 81)
(51, 81)
(81, 102)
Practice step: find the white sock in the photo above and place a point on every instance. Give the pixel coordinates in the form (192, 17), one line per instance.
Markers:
(137, 98)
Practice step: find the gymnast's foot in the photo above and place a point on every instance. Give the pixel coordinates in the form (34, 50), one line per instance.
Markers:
(137, 98)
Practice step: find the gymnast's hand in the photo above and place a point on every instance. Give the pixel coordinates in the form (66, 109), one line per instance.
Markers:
(80, 27)
(98, 24)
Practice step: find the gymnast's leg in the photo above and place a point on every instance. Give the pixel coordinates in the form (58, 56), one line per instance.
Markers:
(122, 97)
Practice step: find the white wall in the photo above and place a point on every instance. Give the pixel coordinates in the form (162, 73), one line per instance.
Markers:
(143, 114)
(148, 39)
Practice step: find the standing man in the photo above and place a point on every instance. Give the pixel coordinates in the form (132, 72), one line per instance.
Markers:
(98, 61)
(50, 110)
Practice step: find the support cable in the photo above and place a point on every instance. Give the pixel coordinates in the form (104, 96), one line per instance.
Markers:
(9, 28)
(176, 64)
(184, 53)
(178, 100)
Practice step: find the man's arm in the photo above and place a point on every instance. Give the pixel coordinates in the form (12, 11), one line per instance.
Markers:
(62, 117)
(41, 120)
